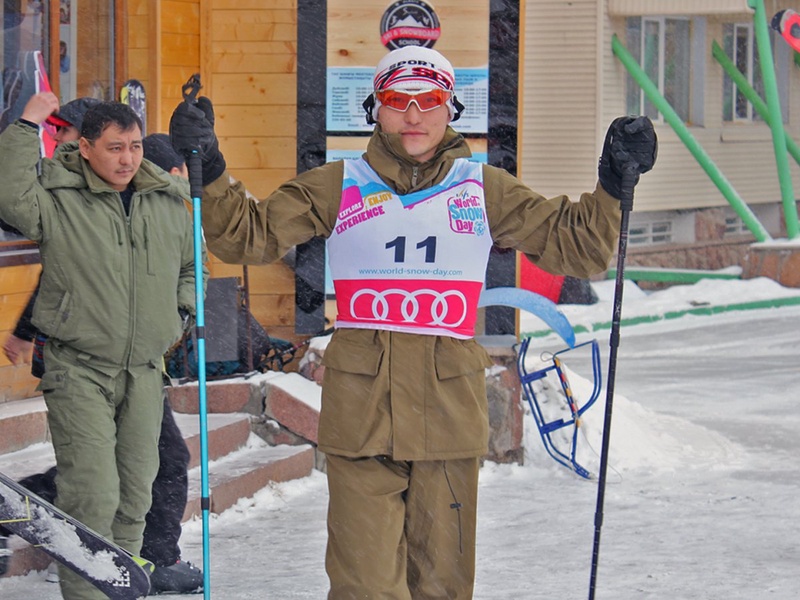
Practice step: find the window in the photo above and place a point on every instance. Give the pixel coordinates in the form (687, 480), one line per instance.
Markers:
(740, 45)
(662, 46)
(735, 226)
(79, 63)
(647, 234)
(769, 215)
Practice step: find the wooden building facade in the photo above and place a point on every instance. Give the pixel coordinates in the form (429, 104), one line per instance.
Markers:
(551, 71)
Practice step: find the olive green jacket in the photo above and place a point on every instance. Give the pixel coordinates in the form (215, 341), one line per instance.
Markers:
(111, 284)
(412, 397)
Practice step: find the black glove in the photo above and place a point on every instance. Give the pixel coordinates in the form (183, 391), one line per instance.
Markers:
(192, 128)
(630, 144)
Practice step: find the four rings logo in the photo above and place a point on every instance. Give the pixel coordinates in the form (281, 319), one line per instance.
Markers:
(397, 304)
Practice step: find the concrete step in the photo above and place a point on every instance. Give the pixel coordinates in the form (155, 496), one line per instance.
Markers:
(240, 463)
(294, 402)
(22, 422)
(288, 398)
(26, 558)
(224, 396)
(226, 433)
(246, 471)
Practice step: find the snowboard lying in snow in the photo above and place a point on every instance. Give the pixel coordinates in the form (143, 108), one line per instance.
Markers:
(111, 569)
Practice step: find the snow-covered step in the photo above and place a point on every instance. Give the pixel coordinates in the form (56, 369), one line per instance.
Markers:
(246, 471)
(35, 458)
(294, 402)
(227, 432)
(22, 422)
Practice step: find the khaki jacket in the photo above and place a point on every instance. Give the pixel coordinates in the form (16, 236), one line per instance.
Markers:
(411, 397)
(111, 283)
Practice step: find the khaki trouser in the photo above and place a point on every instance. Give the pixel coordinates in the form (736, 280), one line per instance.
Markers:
(401, 530)
(105, 424)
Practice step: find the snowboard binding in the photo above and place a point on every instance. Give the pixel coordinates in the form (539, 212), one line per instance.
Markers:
(553, 404)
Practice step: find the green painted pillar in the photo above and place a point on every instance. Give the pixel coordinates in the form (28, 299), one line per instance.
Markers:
(775, 121)
(691, 143)
(751, 94)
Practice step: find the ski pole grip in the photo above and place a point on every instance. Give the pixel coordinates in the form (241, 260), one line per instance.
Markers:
(195, 174)
(629, 173)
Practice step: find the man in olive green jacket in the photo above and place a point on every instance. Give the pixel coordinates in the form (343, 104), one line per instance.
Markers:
(116, 246)
(409, 226)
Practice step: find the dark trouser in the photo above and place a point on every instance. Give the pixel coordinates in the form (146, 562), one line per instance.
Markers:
(170, 489)
(163, 522)
(399, 530)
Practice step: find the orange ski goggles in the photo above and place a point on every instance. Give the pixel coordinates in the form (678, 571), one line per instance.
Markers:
(425, 100)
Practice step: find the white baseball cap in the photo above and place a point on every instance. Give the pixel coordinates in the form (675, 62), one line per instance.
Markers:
(414, 68)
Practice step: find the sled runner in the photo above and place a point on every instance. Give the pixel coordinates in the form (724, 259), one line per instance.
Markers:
(553, 404)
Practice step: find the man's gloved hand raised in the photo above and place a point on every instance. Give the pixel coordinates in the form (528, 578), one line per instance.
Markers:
(192, 128)
(630, 144)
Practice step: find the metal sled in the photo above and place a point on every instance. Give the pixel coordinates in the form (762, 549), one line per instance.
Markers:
(546, 428)
(548, 311)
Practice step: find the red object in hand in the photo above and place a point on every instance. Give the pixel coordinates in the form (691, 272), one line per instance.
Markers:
(787, 23)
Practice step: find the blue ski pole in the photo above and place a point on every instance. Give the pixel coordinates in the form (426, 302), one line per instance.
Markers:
(190, 90)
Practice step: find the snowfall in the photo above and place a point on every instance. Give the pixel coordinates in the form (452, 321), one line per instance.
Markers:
(702, 497)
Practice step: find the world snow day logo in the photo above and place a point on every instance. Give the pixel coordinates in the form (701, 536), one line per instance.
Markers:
(466, 213)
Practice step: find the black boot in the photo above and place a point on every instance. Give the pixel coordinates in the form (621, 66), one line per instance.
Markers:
(180, 578)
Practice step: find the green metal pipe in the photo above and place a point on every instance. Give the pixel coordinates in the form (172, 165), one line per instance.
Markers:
(776, 121)
(700, 155)
(669, 275)
(750, 93)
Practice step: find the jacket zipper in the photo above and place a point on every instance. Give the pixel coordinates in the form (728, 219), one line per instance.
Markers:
(132, 284)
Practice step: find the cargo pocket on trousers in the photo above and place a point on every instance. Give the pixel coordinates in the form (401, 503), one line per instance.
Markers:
(58, 420)
(52, 380)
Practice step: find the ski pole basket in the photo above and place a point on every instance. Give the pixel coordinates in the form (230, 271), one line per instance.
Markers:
(554, 406)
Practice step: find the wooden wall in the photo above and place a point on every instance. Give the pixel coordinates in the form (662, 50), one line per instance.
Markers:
(245, 53)
(17, 284)
(250, 73)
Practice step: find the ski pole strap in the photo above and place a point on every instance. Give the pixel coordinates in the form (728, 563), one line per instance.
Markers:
(190, 89)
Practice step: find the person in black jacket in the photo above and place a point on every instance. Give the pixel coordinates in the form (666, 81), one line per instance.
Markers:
(170, 488)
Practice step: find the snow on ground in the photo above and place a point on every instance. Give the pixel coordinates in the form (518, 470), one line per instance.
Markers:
(701, 493)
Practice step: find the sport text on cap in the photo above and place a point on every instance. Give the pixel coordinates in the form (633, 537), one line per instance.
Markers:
(414, 68)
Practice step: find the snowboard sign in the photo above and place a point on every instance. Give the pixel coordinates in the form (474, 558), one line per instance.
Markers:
(132, 94)
(111, 569)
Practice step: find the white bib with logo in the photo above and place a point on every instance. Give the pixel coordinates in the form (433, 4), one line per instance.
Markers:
(413, 263)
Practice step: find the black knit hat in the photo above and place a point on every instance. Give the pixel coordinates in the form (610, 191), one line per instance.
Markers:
(72, 112)
(158, 149)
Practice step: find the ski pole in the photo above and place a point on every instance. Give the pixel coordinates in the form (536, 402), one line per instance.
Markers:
(189, 91)
(628, 183)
